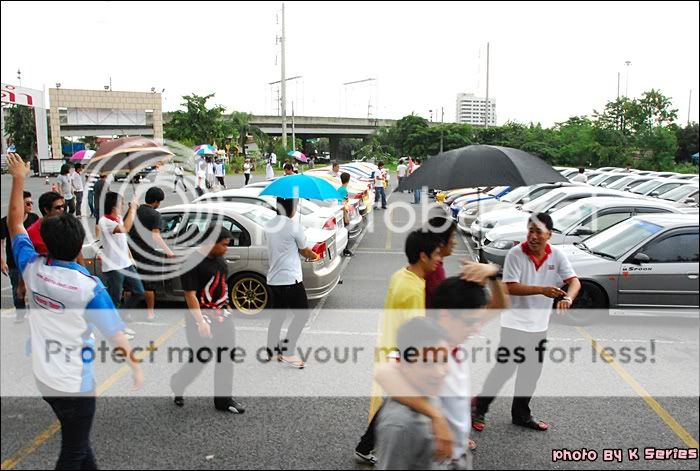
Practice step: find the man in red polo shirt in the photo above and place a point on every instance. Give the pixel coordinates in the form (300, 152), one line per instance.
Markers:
(50, 204)
(533, 272)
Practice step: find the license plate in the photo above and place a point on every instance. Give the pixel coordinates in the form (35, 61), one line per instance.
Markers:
(331, 251)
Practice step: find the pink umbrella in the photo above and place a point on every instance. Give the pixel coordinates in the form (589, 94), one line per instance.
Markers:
(85, 154)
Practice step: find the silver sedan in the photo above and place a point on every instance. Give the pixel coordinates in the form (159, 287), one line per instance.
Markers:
(246, 258)
(646, 265)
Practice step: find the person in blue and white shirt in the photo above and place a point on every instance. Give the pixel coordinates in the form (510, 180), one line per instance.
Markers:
(65, 303)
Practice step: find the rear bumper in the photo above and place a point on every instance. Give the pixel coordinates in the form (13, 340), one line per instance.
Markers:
(320, 281)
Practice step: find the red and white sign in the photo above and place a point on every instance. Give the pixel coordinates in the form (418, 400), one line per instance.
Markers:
(22, 96)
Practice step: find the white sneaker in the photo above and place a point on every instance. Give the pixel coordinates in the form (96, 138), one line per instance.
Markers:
(130, 334)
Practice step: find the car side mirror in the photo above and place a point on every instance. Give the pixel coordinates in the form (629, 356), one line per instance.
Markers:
(641, 258)
(654, 193)
(583, 231)
(689, 201)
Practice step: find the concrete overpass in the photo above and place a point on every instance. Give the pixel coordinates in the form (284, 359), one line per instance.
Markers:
(317, 126)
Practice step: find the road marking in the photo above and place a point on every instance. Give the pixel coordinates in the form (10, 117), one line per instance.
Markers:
(673, 424)
(55, 426)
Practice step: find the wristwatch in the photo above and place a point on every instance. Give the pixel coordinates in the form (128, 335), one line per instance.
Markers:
(566, 298)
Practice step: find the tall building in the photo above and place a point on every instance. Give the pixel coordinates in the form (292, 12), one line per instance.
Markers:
(472, 110)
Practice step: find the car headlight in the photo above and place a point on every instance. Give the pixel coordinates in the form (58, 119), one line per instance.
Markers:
(489, 225)
(472, 211)
(504, 244)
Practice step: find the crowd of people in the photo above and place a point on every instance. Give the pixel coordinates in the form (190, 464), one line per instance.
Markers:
(428, 412)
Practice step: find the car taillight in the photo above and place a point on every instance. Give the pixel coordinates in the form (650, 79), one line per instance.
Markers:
(320, 249)
(330, 224)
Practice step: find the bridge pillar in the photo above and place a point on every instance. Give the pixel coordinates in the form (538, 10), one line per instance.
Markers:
(334, 144)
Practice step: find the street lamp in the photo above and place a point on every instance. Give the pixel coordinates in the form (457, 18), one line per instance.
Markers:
(627, 79)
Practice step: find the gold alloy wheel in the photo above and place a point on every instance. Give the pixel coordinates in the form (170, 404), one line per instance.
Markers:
(249, 296)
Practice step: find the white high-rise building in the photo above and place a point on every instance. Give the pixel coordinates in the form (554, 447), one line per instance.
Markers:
(472, 110)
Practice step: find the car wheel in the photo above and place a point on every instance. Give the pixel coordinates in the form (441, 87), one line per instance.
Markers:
(590, 306)
(249, 294)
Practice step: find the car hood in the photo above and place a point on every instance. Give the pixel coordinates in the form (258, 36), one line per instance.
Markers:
(587, 264)
(515, 231)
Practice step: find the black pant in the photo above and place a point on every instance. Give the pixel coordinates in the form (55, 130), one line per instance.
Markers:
(528, 371)
(223, 336)
(78, 203)
(247, 177)
(75, 413)
(221, 181)
(285, 299)
(70, 206)
(179, 179)
(368, 440)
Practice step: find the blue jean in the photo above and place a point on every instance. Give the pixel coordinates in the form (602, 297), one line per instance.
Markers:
(380, 193)
(128, 279)
(416, 196)
(76, 413)
(15, 280)
(91, 202)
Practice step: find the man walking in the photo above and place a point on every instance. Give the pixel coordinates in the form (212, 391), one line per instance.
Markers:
(532, 273)
(208, 322)
(179, 177)
(401, 170)
(77, 182)
(379, 176)
(144, 241)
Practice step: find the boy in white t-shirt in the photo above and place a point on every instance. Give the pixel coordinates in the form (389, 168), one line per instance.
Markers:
(533, 271)
(117, 266)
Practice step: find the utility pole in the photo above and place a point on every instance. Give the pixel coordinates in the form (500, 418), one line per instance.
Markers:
(294, 140)
(618, 85)
(487, 84)
(283, 85)
(442, 121)
(690, 97)
(627, 78)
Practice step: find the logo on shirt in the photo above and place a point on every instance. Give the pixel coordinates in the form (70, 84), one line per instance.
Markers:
(550, 267)
(49, 304)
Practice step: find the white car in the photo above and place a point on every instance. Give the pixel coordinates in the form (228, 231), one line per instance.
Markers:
(575, 222)
(547, 203)
(309, 213)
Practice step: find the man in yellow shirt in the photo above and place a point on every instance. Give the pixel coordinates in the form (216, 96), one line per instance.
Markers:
(405, 300)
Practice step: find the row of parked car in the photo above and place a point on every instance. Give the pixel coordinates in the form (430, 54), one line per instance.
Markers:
(245, 212)
(631, 235)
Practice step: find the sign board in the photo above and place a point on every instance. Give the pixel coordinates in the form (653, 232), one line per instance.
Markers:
(22, 96)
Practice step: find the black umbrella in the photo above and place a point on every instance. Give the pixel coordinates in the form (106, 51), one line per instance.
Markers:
(479, 165)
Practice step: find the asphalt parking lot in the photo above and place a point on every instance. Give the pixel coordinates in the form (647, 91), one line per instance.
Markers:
(615, 405)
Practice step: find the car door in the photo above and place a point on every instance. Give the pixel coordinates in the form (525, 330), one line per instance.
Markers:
(190, 238)
(670, 277)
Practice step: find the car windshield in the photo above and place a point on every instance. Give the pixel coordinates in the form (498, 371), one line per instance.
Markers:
(620, 238)
(598, 178)
(621, 183)
(645, 188)
(516, 194)
(612, 178)
(570, 215)
(498, 190)
(545, 201)
(258, 215)
(680, 193)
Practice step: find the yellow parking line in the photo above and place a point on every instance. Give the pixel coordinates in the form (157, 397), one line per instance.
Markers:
(673, 424)
(55, 426)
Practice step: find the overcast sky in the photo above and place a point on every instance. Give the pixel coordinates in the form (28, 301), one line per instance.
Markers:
(549, 61)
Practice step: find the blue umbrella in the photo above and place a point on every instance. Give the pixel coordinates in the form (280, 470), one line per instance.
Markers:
(301, 186)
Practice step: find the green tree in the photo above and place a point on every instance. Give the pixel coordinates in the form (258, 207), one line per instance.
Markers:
(20, 126)
(197, 124)
(687, 138)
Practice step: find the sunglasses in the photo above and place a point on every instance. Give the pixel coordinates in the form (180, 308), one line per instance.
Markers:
(29, 203)
(59, 207)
